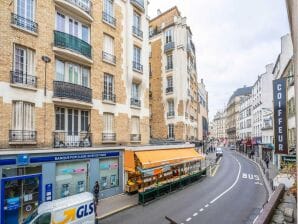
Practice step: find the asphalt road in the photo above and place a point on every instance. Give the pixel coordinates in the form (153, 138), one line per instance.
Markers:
(234, 195)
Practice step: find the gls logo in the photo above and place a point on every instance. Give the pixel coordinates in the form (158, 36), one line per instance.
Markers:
(73, 213)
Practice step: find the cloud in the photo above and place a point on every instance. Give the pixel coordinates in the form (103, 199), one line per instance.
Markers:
(235, 40)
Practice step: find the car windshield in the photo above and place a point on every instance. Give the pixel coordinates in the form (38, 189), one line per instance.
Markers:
(30, 217)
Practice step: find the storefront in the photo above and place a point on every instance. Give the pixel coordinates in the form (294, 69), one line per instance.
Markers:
(33, 177)
(267, 150)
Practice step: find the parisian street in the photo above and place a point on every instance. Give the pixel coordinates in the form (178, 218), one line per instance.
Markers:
(235, 194)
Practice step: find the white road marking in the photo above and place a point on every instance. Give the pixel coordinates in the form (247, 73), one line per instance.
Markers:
(256, 177)
(250, 176)
(206, 206)
(188, 219)
(235, 182)
(244, 175)
(195, 214)
(201, 209)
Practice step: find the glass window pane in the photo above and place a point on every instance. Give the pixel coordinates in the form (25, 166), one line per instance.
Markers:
(109, 173)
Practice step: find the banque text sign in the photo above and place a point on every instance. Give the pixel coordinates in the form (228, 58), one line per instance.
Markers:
(280, 116)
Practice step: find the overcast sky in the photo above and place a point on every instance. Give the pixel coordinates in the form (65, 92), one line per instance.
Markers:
(234, 40)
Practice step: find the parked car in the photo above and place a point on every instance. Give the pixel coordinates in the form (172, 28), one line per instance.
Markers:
(219, 152)
(232, 147)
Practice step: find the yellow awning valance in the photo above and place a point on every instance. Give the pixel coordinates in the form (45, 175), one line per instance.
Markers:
(155, 158)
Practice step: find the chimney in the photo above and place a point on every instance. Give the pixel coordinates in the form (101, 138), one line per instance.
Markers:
(158, 12)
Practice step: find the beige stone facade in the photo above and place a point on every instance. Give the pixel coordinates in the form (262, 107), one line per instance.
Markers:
(95, 43)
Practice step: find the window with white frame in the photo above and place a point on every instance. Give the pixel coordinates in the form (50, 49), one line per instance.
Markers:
(137, 20)
(171, 131)
(169, 35)
(171, 106)
(23, 116)
(108, 120)
(108, 48)
(108, 86)
(72, 73)
(26, 9)
(108, 7)
(135, 91)
(135, 129)
(137, 54)
(169, 61)
(170, 81)
(24, 61)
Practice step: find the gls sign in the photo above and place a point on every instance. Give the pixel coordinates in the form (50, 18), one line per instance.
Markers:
(280, 116)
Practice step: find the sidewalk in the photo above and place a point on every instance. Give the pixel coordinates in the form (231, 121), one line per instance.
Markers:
(109, 206)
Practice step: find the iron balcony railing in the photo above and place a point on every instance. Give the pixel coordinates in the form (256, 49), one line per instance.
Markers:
(108, 137)
(135, 137)
(106, 17)
(169, 89)
(169, 46)
(138, 3)
(109, 97)
(171, 137)
(24, 23)
(72, 139)
(137, 66)
(108, 57)
(22, 136)
(72, 91)
(20, 78)
(135, 102)
(170, 113)
(67, 41)
(169, 67)
(154, 31)
(85, 5)
(136, 31)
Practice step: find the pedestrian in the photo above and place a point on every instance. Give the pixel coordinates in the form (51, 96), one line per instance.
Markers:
(96, 192)
(267, 161)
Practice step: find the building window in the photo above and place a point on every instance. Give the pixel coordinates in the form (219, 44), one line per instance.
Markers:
(108, 49)
(169, 35)
(72, 73)
(171, 111)
(170, 82)
(24, 16)
(137, 54)
(85, 121)
(135, 91)
(108, 119)
(137, 20)
(169, 62)
(171, 131)
(135, 129)
(108, 7)
(109, 173)
(108, 87)
(60, 119)
(23, 116)
(71, 178)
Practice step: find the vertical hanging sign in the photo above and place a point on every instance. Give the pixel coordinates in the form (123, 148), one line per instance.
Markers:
(280, 116)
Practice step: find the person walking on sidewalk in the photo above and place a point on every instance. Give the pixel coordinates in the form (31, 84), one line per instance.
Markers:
(267, 161)
(96, 192)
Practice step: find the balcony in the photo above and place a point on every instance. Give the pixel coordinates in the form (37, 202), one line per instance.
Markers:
(139, 4)
(72, 139)
(170, 114)
(171, 137)
(22, 137)
(72, 91)
(82, 8)
(24, 23)
(135, 137)
(169, 67)
(109, 58)
(23, 79)
(110, 97)
(137, 32)
(169, 89)
(135, 102)
(169, 47)
(109, 19)
(72, 43)
(108, 137)
(137, 67)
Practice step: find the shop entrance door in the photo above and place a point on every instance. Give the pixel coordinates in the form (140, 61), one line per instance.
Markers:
(20, 196)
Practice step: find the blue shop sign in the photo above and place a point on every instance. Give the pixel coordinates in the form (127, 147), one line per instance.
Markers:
(73, 157)
(22, 160)
(49, 192)
(13, 203)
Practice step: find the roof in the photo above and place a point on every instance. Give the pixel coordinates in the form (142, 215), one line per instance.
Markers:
(241, 92)
(165, 12)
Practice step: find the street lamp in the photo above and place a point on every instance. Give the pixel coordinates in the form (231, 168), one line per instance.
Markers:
(46, 60)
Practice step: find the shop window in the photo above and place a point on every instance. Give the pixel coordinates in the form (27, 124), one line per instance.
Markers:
(109, 173)
(11, 172)
(71, 179)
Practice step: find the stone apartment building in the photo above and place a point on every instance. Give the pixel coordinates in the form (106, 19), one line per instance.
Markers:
(95, 84)
(202, 112)
(245, 128)
(219, 126)
(174, 105)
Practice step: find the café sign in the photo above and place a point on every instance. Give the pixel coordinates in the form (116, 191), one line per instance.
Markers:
(280, 116)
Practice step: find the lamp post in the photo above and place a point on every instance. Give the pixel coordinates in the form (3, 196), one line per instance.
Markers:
(46, 60)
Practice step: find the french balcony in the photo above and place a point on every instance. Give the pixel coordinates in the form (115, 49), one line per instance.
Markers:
(137, 32)
(135, 137)
(171, 137)
(24, 23)
(169, 47)
(109, 97)
(109, 19)
(170, 114)
(82, 8)
(169, 89)
(72, 139)
(23, 79)
(72, 91)
(137, 67)
(139, 4)
(108, 137)
(135, 102)
(169, 67)
(22, 137)
(72, 44)
(109, 58)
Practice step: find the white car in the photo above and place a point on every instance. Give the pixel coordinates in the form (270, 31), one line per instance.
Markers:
(218, 152)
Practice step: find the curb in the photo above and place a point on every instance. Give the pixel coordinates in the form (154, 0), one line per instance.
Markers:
(268, 188)
(116, 211)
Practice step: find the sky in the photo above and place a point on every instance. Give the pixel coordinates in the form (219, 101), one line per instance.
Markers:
(234, 40)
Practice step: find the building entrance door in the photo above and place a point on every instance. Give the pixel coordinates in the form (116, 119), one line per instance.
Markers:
(20, 197)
